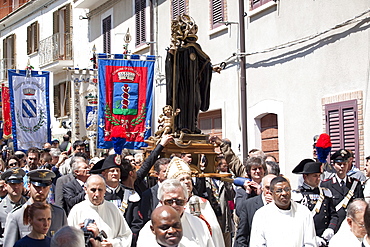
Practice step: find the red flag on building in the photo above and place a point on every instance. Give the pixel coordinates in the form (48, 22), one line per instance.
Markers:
(7, 130)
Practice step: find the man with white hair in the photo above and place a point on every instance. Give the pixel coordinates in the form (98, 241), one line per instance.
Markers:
(195, 233)
(70, 236)
(352, 230)
(106, 215)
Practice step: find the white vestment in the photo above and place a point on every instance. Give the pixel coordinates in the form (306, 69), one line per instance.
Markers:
(344, 237)
(275, 227)
(208, 213)
(107, 217)
(194, 231)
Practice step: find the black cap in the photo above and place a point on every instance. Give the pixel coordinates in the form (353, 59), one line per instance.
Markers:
(41, 177)
(111, 161)
(341, 155)
(299, 168)
(13, 175)
(311, 167)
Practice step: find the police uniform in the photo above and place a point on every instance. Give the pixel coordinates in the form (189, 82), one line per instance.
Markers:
(318, 200)
(12, 175)
(343, 194)
(14, 227)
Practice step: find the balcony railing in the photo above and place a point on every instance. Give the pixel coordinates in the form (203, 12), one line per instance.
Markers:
(55, 48)
(5, 64)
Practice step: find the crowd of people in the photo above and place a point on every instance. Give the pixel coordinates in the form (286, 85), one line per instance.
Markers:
(60, 196)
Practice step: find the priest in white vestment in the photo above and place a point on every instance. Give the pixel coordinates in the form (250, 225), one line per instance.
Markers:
(283, 222)
(195, 232)
(179, 169)
(106, 215)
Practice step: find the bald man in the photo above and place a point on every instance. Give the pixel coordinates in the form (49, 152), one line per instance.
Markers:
(103, 212)
(166, 226)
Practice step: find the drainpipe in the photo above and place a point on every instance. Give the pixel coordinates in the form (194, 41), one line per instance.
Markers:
(243, 80)
(151, 20)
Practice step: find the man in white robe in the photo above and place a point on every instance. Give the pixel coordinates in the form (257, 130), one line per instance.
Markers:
(195, 232)
(352, 230)
(180, 170)
(106, 215)
(284, 222)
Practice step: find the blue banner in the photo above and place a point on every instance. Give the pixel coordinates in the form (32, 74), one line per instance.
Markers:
(30, 109)
(125, 101)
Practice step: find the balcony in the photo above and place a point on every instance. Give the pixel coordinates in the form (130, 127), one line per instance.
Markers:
(56, 52)
(5, 64)
(89, 4)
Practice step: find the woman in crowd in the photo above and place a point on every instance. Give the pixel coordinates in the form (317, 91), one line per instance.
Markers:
(38, 216)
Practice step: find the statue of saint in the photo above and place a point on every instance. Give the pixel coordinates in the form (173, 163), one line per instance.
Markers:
(188, 75)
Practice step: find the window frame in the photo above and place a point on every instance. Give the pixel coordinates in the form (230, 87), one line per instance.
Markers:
(211, 115)
(221, 10)
(340, 139)
(254, 4)
(33, 38)
(106, 30)
(140, 22)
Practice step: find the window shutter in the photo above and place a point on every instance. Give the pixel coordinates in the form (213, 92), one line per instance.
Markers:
(257, 3)
(342, 126)
(217, 11)
(13, 49)
(36, 36)
(107, 25)
(68, 28)
(140, 21)
(57, 101)
(56, 22)
(5, 54)
(29, 39)
(178, 8)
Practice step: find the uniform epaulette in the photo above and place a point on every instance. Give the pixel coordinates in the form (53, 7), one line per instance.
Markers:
(297, 195)
(327, 192)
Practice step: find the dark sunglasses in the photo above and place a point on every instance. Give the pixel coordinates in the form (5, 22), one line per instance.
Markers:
(179, 202)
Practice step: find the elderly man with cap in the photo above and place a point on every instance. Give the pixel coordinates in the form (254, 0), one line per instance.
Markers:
(343, 188)
(39, 184)
(318, 200)
(195, 233)
(198, 206)
(13, 178)
(106, 215)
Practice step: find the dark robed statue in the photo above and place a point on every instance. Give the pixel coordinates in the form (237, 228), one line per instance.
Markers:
(188, 75)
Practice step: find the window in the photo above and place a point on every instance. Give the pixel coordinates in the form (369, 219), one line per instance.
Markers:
(62, 31)
(107, 26)
(269, 135)
(257, 3)
(211, 122)
(217, 12)
(33, 38)
(179, 7)
(140, 21)
(62, 99)
(342, 126)
(9, 52)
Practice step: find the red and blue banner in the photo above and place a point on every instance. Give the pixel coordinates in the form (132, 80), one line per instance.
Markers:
(30, 108)
(125, 101)
(7, 120)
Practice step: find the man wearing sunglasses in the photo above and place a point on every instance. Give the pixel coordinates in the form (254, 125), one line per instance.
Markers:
(283, 222)
(195, 233)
